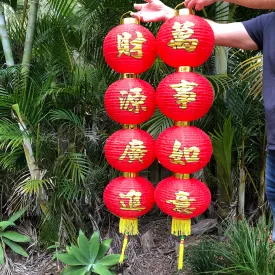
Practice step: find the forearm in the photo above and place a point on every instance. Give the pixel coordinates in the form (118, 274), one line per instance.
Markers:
(232, 35)
(254, 4)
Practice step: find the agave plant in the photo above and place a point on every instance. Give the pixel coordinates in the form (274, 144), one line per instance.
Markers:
(88, 257)
(11, 238)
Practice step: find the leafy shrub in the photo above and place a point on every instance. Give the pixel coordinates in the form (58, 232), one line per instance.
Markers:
(246, 250)
(11, 238)
(204, 257)
(89, 257)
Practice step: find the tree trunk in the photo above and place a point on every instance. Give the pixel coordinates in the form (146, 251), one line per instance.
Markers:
(35, 172)
(221, 53)
(5, 39)
(241, 203)
(32, 18)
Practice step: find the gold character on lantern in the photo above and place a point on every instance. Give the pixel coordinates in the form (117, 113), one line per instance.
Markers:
(132, 101)
(130, 47)
(182, 203)
(182, 34)
(184, 93)
(184, 156)
(135, 150)
(131, 201)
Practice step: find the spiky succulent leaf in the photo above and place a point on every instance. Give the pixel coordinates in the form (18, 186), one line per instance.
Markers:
(74, 270)
(83, 244)
(68, 259)
(103, 248)
(109, 260)
(94, 246)
(101, 269)
(78, 254)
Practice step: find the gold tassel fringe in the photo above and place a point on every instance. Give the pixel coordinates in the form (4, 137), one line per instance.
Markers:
(125, 242)
(181, 227)
(128, 226)
(181, 254)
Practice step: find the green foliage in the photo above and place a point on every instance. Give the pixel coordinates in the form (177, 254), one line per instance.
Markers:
(204, 257)
(245, 250)
(248, 249)
(11, 238)
(222, 141)
(88, 257)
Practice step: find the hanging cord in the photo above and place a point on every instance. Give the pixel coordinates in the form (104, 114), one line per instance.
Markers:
(128, 12)
(124, 246)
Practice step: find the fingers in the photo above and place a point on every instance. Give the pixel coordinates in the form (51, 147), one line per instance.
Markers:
(135, 15)
(139, 6)
(147, 18)
(190, 3)
(186, 3)
(197, 4)
(199, 7)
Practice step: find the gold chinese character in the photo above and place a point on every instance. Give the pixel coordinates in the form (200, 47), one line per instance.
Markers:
(184, 156)
(131, 201)
(132, 101)
(130, 48)
(181, 34)
(135, 150)
(182, 203)
(184, 94)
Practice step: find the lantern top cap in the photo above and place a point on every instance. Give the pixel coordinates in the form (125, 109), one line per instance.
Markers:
(183, 11)
(129, 20)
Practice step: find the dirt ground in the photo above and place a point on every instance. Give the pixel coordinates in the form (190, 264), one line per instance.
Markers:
(152, 252)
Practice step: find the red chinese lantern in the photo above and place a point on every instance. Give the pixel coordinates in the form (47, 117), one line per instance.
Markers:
(183, 149)
(185, 40)
(129, 198)
(130, 101)
(182, 199)
(130, 150)
(184, 96)
(129, 48)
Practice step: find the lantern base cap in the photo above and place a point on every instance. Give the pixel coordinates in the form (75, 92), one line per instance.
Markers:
(181, 227)
(128, 226)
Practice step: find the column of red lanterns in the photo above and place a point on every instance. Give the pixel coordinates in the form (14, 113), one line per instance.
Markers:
(183, 42)
(129, 49)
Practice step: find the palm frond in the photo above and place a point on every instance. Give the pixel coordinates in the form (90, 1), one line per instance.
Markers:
(33, 187)
(66, 115)
(157, 124)
(252, 70)
(10, 134)
(76, 168)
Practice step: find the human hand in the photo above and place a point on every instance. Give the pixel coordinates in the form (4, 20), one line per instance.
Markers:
(152, 11)
(198, 4)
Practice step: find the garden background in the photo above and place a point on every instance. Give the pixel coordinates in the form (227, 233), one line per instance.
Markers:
(53, 128)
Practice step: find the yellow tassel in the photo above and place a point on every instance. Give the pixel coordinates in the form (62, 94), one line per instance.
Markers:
(129, 226)
(125, 242)
(181, 227)
(181, 254)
